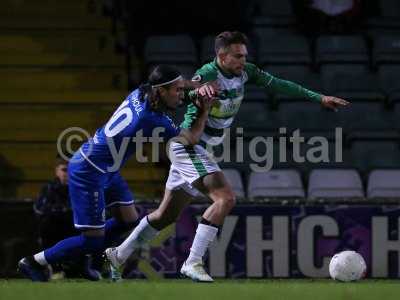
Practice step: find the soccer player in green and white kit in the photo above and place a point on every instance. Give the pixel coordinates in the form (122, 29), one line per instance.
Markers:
(192, 169)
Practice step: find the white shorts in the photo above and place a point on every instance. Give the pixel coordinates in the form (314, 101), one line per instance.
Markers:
(188, 163)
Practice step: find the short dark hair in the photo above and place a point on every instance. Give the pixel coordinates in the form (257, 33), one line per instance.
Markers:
(227, 38)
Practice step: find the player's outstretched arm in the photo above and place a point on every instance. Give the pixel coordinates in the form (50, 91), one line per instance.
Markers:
(286, 87)
(293, 89)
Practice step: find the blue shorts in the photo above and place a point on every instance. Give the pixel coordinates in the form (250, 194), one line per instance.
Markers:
(92, 191)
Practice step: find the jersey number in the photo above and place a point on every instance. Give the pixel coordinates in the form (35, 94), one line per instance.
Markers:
(119, 121)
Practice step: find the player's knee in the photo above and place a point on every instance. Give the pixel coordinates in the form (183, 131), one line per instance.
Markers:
(228, 200)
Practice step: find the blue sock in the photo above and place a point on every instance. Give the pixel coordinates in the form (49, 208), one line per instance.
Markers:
(77, 246)
(74, 247)
(114, 229)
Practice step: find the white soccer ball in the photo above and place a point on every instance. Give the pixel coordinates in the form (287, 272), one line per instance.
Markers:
(347, 266)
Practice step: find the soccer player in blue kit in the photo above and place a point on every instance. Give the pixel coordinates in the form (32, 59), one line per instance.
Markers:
(95, 180)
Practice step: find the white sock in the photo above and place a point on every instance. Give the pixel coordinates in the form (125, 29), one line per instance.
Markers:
(39, 257)
(142, 234)
(205, 235)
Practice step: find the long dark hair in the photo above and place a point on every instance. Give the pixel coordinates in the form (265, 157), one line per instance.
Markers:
(160, 74)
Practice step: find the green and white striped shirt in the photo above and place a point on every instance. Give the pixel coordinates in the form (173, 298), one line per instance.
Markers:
(232, 92)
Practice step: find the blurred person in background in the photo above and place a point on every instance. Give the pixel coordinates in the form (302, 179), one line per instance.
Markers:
(55, 222)
(329, 16)
(53, 207)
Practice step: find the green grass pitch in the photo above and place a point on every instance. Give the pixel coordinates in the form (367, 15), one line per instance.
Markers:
(187, 290)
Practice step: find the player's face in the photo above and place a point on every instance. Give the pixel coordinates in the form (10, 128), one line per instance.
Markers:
(173, 95)
(234, 59)
(62, 173)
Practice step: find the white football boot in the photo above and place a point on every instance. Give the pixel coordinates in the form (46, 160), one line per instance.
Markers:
(115, 266)
(196, 272)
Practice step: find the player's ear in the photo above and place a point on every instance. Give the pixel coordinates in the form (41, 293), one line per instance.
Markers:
(221, 55)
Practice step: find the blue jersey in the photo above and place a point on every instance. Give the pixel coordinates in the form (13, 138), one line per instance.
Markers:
(132, 119)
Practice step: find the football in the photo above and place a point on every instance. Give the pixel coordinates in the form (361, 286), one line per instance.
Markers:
(347, 266)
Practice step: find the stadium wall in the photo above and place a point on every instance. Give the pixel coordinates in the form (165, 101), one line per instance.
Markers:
(256, 241)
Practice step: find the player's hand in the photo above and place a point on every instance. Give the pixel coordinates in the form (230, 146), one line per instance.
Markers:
(209, 89)
(204, 103)
(333, 102)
